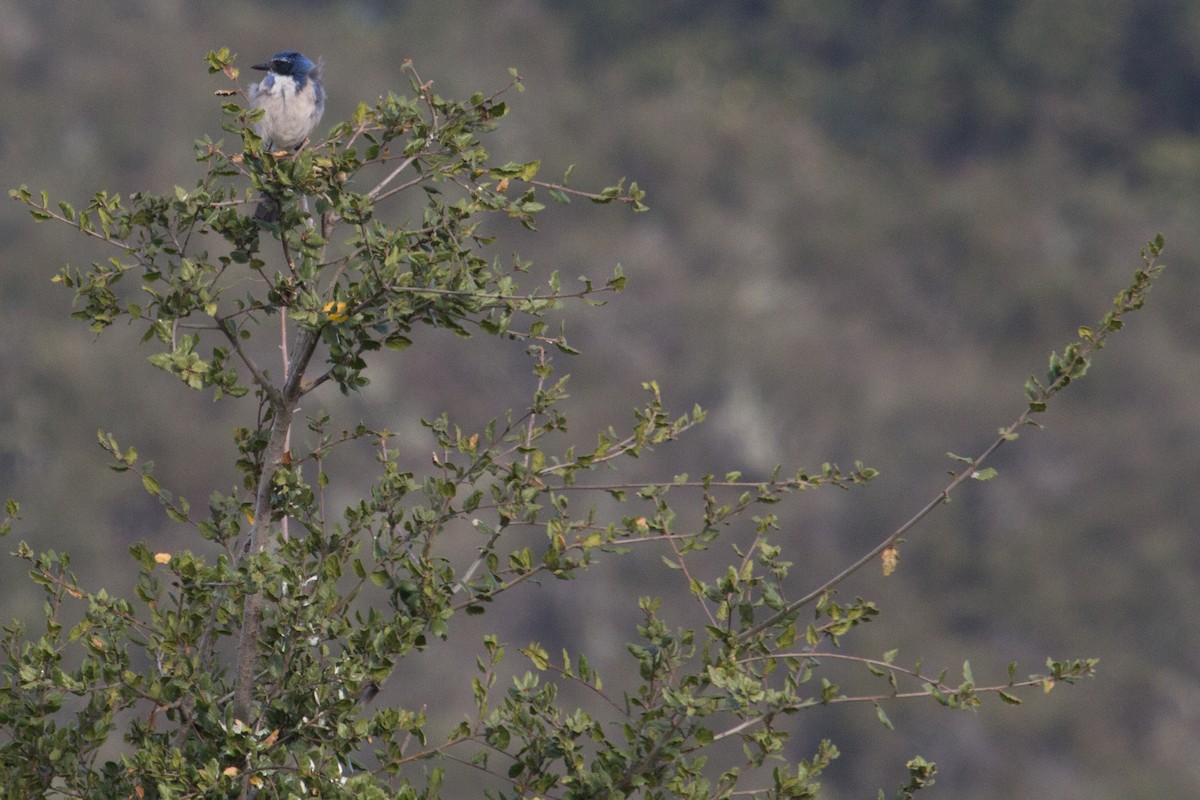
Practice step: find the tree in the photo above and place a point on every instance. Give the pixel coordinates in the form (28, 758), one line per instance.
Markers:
(251, 666)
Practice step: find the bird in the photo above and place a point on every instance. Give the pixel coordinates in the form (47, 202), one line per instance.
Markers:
(292, 100)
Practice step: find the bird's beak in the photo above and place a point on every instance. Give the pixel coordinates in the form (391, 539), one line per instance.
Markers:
(264, 67)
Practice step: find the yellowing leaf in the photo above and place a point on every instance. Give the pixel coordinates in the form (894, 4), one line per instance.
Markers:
(336, 311)
(891, 558)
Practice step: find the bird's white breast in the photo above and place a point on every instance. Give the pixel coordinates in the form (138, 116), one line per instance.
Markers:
(289, 113)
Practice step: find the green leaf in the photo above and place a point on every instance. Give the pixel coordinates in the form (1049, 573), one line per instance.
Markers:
(397, 342)
(538, 655)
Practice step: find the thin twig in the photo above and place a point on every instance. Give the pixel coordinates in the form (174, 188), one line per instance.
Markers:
(374, 193)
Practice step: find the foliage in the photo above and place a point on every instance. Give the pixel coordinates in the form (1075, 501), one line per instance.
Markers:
(251, 666)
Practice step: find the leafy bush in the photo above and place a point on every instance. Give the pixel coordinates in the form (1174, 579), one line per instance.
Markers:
(251, 666)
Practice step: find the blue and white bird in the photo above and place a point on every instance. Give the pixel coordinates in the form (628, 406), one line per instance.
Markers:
(291, 97)
(292, 100)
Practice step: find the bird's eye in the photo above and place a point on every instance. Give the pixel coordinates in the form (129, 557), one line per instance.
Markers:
(280, 65)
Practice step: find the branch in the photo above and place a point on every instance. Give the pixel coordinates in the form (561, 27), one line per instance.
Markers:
(259, 378)
(943, 497)
(247, 658)
(405, 164)
(43, 212)
(1063, 369)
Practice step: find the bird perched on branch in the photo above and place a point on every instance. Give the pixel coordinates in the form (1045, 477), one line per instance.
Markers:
(292, 100)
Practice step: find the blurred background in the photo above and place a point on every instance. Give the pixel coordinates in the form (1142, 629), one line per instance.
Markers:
(870, 221)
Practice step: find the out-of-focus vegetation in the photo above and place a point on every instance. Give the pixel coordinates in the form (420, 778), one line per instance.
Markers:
(885, 215)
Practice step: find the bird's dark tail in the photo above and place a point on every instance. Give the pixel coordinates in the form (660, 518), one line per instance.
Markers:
(267, 209)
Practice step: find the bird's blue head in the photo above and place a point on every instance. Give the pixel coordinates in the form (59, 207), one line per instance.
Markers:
(290, 64)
